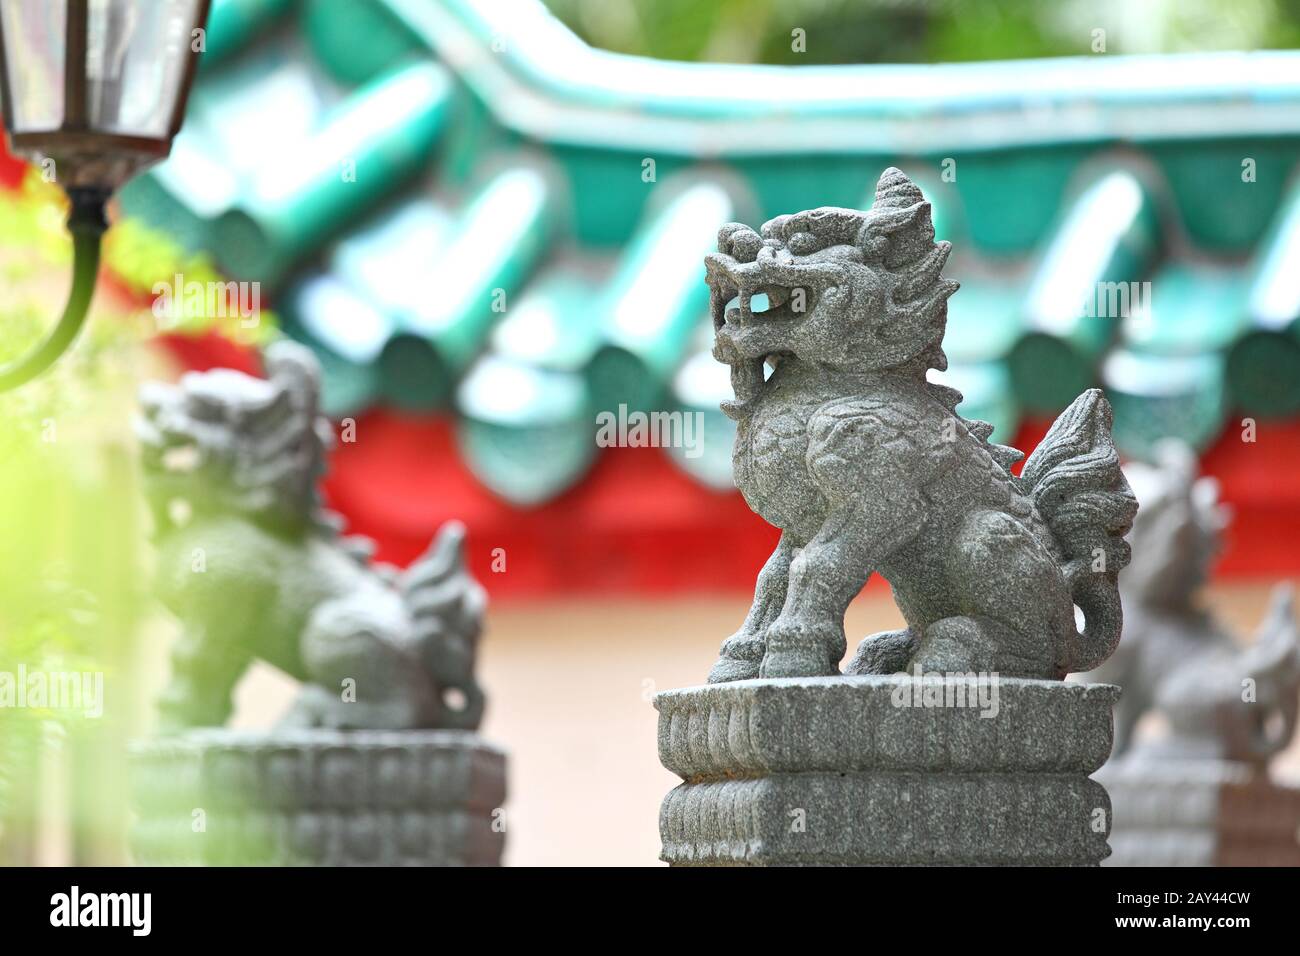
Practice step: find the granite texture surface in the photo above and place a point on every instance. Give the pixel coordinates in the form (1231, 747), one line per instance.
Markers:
(830, 321)
(862, 771)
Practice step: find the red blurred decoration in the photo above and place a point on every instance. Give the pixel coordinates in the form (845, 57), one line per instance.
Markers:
(1260, 482)
(634, 525)
(637, 525)
(210, 349)
(12, 169)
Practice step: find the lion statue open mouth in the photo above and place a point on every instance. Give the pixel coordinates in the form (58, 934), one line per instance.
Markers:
(866, 467)
(255, 568)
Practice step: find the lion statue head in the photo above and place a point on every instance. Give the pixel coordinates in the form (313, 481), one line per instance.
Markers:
(221, 441)
(848, 290)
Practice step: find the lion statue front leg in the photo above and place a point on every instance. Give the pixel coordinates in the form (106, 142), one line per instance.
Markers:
(807, 638)
(204, 672)
(795, 627)
(742, 653)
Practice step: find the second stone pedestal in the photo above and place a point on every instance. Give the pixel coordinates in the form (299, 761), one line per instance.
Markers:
(1201, 813)
(319, 797)
(886, 770)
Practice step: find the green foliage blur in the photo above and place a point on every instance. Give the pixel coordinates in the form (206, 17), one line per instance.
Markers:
(924, 31)
(73, 591)
(71, 541)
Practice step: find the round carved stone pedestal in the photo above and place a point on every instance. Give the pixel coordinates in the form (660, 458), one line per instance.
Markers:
(323, 798)
(886, 770)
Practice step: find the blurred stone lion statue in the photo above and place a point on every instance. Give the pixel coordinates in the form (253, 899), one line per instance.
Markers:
(1219, 697)
(254, 568)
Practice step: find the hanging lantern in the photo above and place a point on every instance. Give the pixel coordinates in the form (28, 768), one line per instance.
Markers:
(93, 91)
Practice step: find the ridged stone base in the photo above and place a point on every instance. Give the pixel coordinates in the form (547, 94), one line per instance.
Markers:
(1201, 813)
(885, 770)
(323, 798)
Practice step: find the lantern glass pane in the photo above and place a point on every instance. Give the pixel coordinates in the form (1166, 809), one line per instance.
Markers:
(136, 54)
(35, 42)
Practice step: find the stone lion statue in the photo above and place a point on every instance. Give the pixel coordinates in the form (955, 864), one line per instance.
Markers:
(1219, 697)
(865, 466)
(255, 568)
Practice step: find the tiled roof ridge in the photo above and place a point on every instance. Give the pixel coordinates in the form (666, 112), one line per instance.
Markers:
(543, 81)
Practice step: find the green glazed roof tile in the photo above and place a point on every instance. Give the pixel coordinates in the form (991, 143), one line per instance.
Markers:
(526, 468)
(232, 24)
(261, 104)
(357, 41)
(1085, 281)
(607, 99)
(335, 314)
(527, 433)
(1273, 301)
(385, 259)
(529, 384)
(1264, 372)
(1224, 211)
(1011, 197)
(347, 331)
(1187, 309)
(184, 194)
(653, 303)
(468, 284)
(1264, 365)
(699, 388)
(983, 316)
(365, 148)
(520, 396)
(552, 325)
(1160, 396)
(490, 252)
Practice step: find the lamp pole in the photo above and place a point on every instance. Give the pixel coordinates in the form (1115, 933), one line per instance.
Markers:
(87, 224)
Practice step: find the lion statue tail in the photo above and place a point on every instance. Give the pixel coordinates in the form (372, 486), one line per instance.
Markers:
(1272, 661)
(1076, 484)
(446, 605)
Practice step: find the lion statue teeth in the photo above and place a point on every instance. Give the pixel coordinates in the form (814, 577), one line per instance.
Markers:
(866, 467)
(254, 568)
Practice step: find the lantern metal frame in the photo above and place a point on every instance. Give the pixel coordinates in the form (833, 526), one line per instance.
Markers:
(90, 165)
